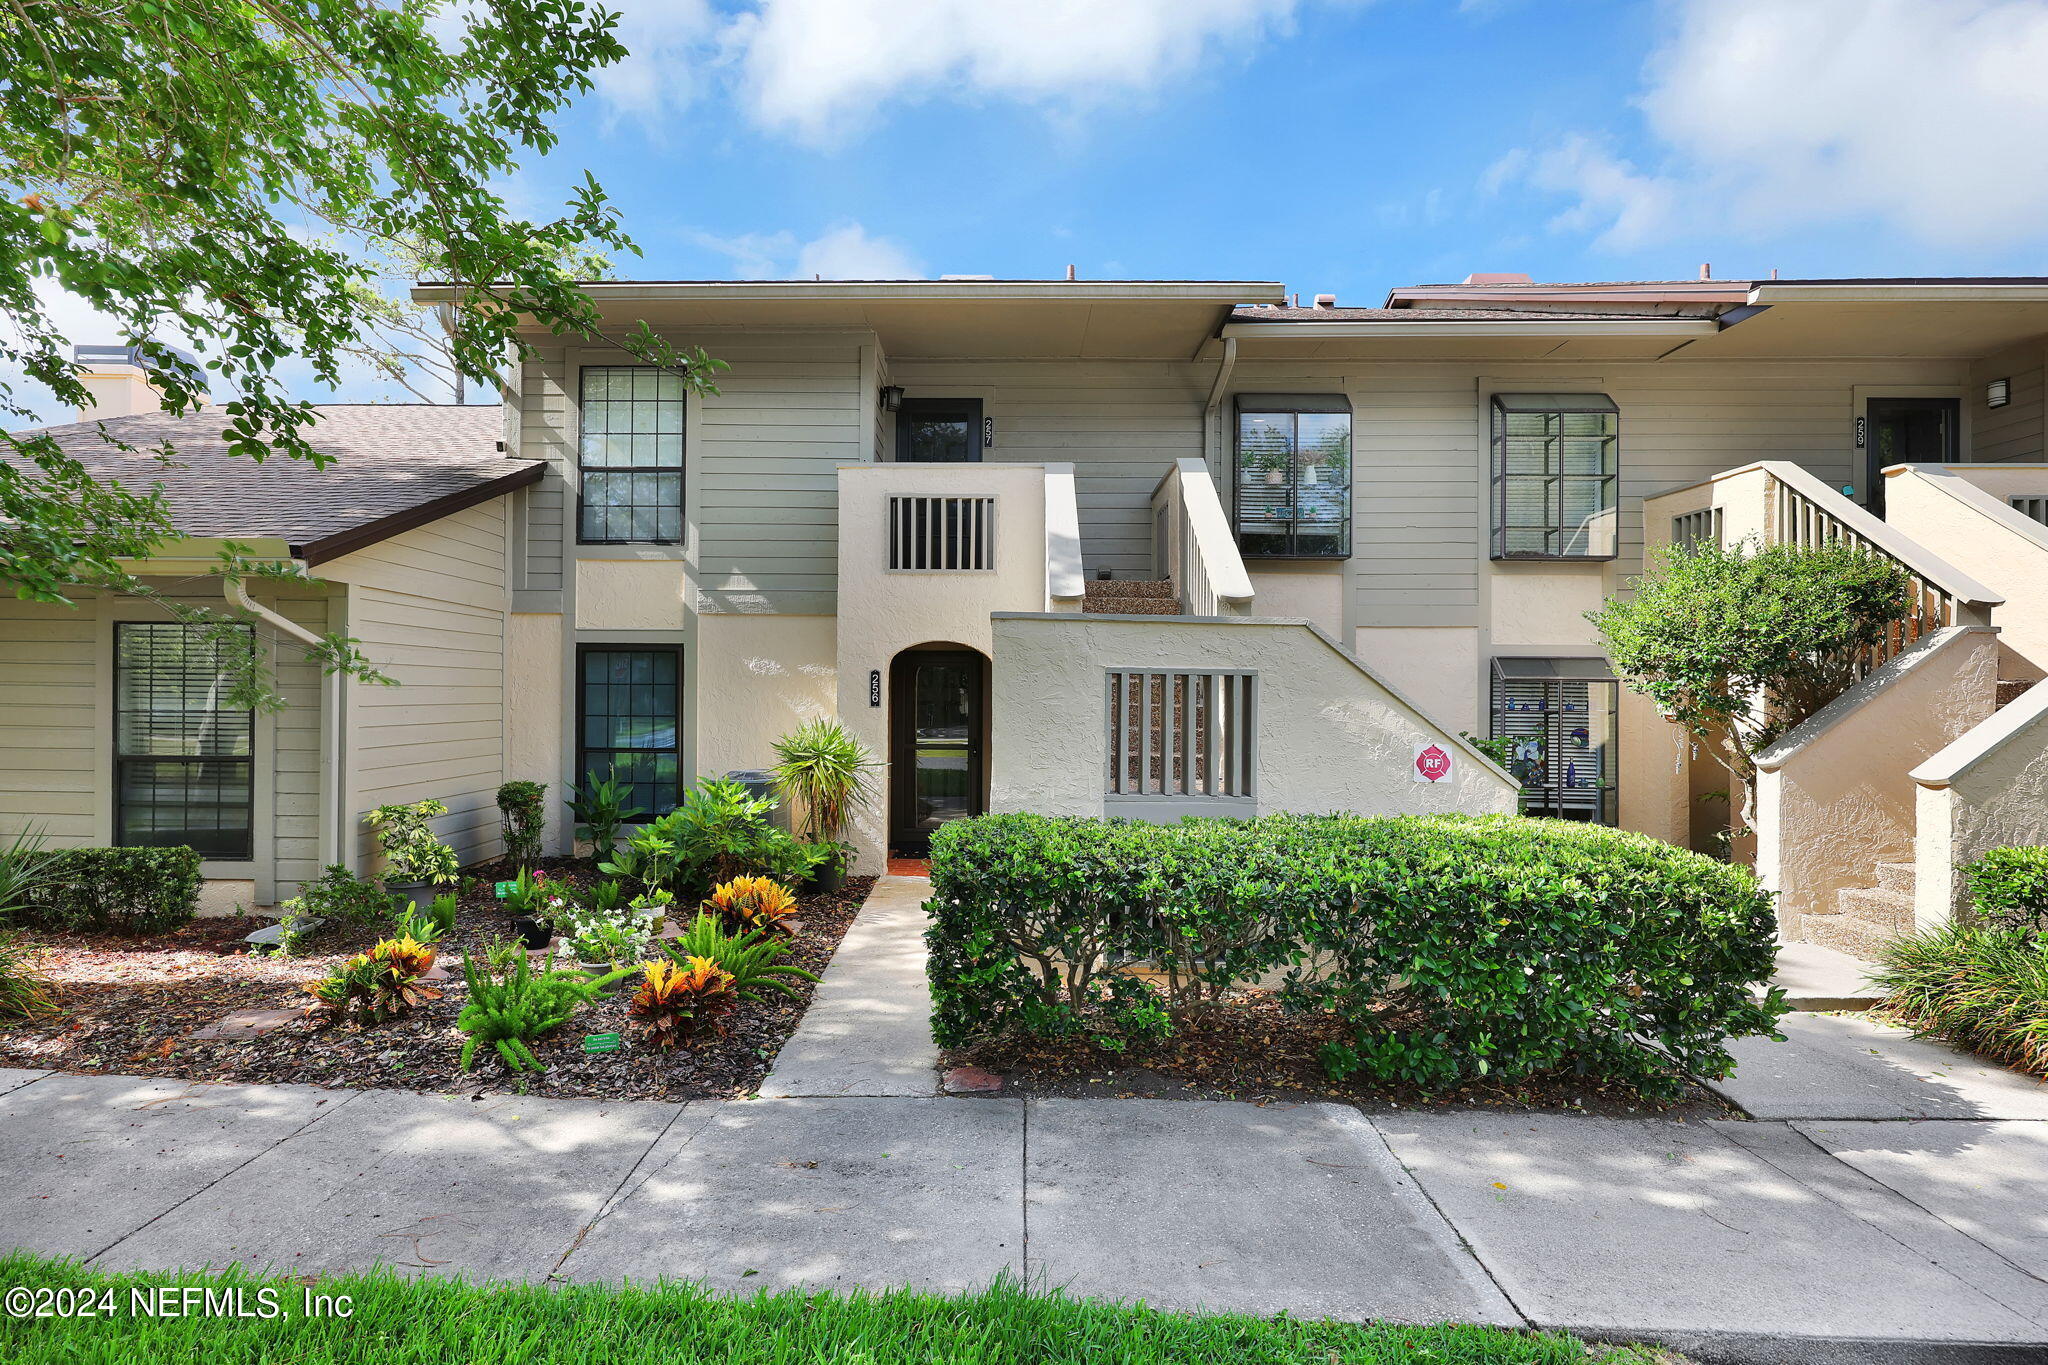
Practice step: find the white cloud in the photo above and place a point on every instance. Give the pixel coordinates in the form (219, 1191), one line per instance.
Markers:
(845, 252)
(820, 70)
(1928, 116)
(666, 43)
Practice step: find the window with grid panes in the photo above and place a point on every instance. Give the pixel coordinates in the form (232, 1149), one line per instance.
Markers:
(1561, 715)
(1293, 485)
(629, 725)
(630, 454)
(183, 753)
(1556, 465)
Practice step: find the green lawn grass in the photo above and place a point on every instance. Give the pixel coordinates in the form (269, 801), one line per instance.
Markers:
(398, 1322)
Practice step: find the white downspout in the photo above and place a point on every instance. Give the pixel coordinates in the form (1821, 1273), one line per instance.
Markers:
(330, 722)
(1211, 438)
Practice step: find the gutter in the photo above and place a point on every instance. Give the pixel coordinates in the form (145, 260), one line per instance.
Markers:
(1536, 327)
(1226, 292)
(330, 722)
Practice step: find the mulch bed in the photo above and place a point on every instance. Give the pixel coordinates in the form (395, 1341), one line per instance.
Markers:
(1252, 1051)
(132, 1004)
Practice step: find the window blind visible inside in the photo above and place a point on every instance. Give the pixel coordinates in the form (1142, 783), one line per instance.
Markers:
(183, 751)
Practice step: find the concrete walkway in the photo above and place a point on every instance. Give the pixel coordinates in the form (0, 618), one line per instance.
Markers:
(868, 1030)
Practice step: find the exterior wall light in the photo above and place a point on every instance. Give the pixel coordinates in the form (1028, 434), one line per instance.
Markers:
(1998, 393)
(892, 397)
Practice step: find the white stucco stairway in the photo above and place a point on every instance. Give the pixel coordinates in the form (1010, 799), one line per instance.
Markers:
(1865, 918)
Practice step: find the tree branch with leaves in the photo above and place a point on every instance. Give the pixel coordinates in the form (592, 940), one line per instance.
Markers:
(1738, 645)
(238, 176)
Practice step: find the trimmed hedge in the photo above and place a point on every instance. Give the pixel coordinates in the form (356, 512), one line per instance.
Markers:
(2010, 887)
(129, 890)
(1455, 947)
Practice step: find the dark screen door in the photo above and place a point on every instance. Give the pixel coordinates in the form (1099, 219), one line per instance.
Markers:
(938, 725)
(1907, 431)
(938, 430)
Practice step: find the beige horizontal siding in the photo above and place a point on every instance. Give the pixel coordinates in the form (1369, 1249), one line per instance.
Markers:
(429, 610)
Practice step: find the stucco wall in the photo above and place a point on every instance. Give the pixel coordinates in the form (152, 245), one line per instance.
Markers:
(1313, 592)
(1987, 790)
(1330, 736)
(1834, 797)
(886, 612)
(1963, 518)
(629, 594)
(1438, 669)
(756, 678)
(534, 705)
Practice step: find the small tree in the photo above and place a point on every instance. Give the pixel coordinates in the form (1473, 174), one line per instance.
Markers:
(1739, 645)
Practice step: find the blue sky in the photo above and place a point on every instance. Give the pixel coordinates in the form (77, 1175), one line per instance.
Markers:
(1339, 147)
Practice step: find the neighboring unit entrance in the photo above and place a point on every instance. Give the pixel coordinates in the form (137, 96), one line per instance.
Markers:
(938, 738)
(1907, 431)
(939, 431)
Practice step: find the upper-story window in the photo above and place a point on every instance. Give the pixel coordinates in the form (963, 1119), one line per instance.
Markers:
(1294, 476)
(630, 454)
(1556, 461)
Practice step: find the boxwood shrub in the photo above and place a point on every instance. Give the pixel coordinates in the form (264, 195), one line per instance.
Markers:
(2010, 887)
(129, 890)
(1452, 947)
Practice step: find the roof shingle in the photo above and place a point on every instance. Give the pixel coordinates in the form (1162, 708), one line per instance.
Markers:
(395, 467)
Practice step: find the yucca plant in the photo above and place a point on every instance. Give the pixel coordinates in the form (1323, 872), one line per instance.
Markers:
(25, 869)
(753, 958)
(510, 1012)
(824, 770)
(753, 902)
(675, 999)
(26, 991)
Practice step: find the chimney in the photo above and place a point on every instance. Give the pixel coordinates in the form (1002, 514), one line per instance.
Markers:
(1326, 300)
(118, 383)
(1706, 271)
(1499, 277)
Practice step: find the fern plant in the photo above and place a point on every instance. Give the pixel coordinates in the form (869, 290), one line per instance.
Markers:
(510, 1012)
(751, 956)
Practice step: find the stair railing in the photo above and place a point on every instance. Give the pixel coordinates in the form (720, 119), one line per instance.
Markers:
(1804, 511)
(1200, 554)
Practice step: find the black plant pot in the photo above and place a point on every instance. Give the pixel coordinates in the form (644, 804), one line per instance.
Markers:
(828, 878)
(534, 933)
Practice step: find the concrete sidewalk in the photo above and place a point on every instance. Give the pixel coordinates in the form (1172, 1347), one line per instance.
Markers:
(1828, 1232)
(1822, 1234)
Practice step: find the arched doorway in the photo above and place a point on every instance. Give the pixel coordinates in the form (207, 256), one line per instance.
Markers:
(938, 741)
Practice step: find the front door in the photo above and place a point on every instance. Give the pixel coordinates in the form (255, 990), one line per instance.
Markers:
(938, 431)
(938, 732)
(1907, 431)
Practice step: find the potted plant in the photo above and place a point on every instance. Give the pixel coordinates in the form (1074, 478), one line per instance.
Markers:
(824, 771)
(415, 862)
(534, 903)
(601, 809)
